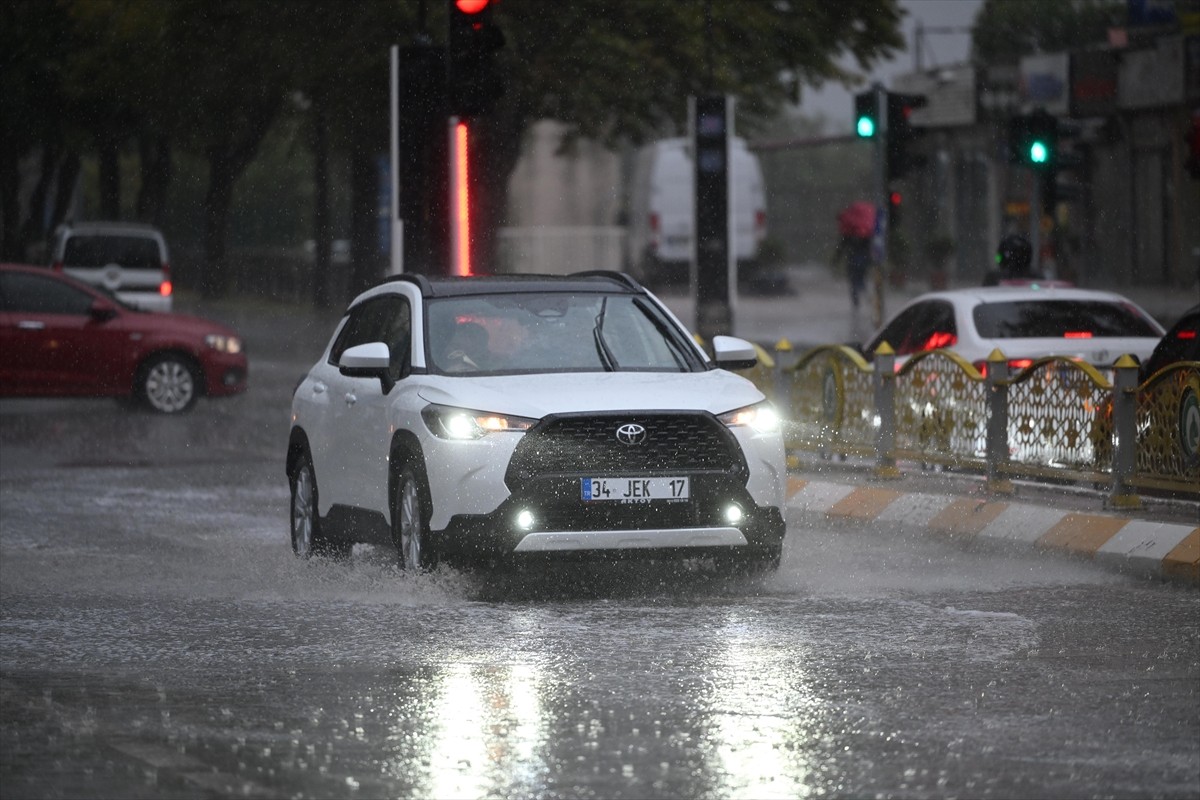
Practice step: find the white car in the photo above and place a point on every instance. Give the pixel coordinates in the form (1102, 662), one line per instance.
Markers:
(488, 419)
(1024, 322)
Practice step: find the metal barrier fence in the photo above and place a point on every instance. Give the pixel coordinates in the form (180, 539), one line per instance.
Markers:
(1056, 419)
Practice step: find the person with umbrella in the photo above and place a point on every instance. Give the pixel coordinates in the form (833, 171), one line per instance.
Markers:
(856, 226)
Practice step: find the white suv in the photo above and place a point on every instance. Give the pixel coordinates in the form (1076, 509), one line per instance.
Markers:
(126, 259)
(491, 419)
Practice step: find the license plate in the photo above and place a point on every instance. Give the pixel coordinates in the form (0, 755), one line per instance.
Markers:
(630, 490)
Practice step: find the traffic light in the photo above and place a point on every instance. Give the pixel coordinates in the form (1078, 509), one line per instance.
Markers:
(866, 114)
(475, 82)
(1033, 140)
(901, 135)
(895, 203)
(1042, 151)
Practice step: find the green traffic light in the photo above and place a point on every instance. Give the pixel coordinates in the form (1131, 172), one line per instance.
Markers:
(865, 127)
(1038, 152)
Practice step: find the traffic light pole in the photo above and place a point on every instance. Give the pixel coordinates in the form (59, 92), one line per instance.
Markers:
(879, 245)
(397, 223)
(1035, 224)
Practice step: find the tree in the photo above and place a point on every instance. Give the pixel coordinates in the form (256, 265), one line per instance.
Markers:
(212, 76)
(33, 49)
(1005, 30)
(617, 70)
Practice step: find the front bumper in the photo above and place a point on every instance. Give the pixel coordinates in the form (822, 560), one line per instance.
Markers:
(564, 526)
(224, 374)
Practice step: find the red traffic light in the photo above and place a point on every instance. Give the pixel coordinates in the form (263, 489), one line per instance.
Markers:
(471, 6)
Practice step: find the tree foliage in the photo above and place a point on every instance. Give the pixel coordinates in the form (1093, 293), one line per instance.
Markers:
(210, 77)
(1005, 30)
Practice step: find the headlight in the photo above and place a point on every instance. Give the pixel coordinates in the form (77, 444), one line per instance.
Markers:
(460, 423)
(223, 344)
(761, 416)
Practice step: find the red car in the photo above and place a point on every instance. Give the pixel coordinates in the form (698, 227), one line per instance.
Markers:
(61, 337)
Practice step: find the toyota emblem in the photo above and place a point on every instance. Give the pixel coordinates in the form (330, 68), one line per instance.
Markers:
(631, 433)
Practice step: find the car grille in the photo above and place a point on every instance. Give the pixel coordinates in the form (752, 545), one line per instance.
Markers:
(587, 445)
(617, 516)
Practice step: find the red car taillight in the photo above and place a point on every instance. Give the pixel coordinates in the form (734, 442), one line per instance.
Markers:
(1015, 365)
(165, 287)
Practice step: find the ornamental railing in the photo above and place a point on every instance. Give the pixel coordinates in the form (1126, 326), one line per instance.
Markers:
(1055, 419)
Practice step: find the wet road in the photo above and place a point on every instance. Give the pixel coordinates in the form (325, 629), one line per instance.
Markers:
(157, 639)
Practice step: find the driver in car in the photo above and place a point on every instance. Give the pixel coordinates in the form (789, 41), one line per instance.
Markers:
(467, 349)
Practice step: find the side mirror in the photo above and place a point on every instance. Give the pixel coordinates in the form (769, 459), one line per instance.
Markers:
(370, 360)
(102, 310)
(732, 353)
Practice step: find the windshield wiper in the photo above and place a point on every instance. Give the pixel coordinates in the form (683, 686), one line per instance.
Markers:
(606, 357)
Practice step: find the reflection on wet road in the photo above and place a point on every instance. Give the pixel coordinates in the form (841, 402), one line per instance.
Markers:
(157, 639)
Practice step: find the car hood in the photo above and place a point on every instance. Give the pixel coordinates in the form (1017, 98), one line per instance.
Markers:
(536, 396)
(179, 324)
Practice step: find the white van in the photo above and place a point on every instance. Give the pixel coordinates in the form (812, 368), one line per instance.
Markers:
(661, 206)
(126, 259)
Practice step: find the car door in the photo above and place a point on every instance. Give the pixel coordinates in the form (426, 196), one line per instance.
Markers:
(357, 452)
(368, 403)
(50, 341)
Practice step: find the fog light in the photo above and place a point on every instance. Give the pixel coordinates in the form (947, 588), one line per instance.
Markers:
(525, 520)
(733, 514)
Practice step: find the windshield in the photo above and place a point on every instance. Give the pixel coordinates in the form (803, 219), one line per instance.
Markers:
(544, 332)
(1061, 318)
(133, 252)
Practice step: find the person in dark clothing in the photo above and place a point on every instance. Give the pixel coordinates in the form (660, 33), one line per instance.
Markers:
(1014, 261)
(857, 252)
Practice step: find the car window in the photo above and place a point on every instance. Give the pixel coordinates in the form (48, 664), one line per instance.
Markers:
(135, 252)
(1180, 343)
(41, 294)
(386, 319)
(924, 326)
(1082, 319)
(549, 332)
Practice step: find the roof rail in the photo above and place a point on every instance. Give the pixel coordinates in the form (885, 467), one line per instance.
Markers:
(619, 277)
(408, 277)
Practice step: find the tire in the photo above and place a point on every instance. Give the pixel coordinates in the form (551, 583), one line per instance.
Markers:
(168, 384)
(307, 538)
(410, 522)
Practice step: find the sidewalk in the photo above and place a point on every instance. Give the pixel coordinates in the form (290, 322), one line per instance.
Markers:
(819, 312)
(1160, 540)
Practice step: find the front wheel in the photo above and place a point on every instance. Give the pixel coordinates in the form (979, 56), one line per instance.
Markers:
(409, 522)
(168, 384)
(307, 538)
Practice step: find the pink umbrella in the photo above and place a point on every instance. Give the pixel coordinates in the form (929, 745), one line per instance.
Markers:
(857, 220)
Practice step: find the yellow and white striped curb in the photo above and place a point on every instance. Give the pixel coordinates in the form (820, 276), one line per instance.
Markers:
(1167, 549)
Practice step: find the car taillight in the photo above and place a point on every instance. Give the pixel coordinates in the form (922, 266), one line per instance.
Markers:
(1015, 365)
(165, 287)
(654, 222)
(1077, 335)
(940, 339)
(760, 220)
(1186, 335)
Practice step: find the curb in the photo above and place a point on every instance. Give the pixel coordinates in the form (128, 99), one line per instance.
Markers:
(1158, 549)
